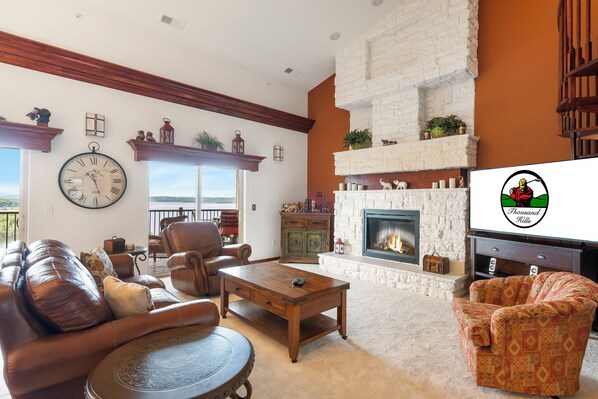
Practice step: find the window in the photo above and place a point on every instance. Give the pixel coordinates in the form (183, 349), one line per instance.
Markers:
(9, 195)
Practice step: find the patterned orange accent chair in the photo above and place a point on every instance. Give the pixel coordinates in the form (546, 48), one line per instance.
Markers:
(527, 334)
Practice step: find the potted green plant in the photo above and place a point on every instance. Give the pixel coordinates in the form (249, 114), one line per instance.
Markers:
(208, 142)
(356, 139)
(442, 126)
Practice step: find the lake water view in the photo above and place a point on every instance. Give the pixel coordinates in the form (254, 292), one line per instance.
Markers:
(189, 205)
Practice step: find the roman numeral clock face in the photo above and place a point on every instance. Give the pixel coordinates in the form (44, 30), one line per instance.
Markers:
(92, 180)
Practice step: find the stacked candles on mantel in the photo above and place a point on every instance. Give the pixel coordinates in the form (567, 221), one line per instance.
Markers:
(350, 187)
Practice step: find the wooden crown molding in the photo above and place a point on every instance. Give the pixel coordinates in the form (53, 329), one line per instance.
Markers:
(26, 53)
(154, 151)
(27, 137)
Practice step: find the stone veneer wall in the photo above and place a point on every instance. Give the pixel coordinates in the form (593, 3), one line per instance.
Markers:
(444, 220)
(418, 62)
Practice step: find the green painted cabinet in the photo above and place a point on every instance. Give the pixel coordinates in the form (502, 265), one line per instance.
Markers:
(303, 236)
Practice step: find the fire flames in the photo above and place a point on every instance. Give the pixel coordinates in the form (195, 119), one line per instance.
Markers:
(395, 244)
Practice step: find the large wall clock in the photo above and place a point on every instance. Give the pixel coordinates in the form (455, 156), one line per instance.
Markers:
(92, 180)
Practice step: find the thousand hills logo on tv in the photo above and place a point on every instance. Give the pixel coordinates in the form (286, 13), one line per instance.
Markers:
(524, 199)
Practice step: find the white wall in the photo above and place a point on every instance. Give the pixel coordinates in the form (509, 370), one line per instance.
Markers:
(83, 229)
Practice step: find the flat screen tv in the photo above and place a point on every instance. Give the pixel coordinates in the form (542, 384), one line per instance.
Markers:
(553, 200)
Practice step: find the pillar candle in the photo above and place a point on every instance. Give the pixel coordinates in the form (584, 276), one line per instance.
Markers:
(341, 187)
(442, 184)
(452, 182)
(435, 184)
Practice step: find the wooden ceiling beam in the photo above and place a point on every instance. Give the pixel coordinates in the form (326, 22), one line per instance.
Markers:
(26, 53)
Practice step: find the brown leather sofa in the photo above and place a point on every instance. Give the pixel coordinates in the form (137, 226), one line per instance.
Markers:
(196, 254)
(55, 326)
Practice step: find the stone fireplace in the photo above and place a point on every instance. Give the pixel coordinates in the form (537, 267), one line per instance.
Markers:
(418, 62)
(391, 234)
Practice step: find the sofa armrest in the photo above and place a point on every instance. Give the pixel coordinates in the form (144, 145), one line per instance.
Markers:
(59, 358)
(123, 265)
(552, 323)
(242, 251)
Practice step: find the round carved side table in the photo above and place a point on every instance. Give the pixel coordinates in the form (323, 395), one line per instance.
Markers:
(187, 362)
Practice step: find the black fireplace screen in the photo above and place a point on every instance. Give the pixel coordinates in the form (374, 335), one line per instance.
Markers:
(391, 234)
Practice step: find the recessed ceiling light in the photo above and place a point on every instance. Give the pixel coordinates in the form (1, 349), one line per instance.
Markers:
(291, 71)
(78, 15)
(376, 3)
(174, 22)
(335, 36)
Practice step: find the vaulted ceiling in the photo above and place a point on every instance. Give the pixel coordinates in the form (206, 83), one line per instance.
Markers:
(262, 36)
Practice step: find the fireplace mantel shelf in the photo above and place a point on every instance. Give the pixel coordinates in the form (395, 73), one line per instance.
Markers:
(435, 154)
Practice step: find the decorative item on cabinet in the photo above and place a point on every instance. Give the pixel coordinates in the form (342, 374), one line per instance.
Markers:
(304, 235)
(167, 132)
(140, 135)
(95, 124)
(278, 153)
(41, 115)
(291, 207)
(238, 143)
(339, 247)
(150, 136)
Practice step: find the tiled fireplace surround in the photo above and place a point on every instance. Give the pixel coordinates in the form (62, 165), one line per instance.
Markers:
(418, 62)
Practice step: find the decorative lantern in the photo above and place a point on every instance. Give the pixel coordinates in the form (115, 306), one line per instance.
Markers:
(278, 153)
(339, 246)
(166, 132)
(238, 143)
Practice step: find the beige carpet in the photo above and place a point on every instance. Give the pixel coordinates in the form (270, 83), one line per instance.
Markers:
(400, 345)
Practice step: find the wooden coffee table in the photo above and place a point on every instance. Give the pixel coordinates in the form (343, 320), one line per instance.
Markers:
(289, 314)
(186, 362)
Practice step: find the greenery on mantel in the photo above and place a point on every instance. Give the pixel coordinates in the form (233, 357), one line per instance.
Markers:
(357, 139)
(442, 126)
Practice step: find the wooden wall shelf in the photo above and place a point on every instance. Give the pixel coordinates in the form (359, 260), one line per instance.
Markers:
(27, 137)
(154, 151)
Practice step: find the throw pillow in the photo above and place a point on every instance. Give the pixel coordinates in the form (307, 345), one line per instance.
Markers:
(126, 299)
(99, 265)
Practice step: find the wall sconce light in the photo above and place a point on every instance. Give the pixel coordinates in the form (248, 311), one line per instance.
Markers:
(94, 124)
(278, 153)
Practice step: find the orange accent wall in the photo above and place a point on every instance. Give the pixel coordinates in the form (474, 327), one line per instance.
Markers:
(324, 139)
(515, 99)
(516, 91)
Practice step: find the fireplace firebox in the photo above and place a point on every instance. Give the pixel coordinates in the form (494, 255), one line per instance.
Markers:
(391, 234)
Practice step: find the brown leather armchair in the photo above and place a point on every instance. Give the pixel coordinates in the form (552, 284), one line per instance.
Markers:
(196, 254)
(154, 244)
(55, 326)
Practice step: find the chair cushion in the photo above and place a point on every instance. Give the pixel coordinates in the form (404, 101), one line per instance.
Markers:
(126, 299)
(218, 262)
(99, 265)
(474, 320)
(64, 295)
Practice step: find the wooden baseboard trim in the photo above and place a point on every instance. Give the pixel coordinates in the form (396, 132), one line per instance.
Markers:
(26, 53)
(263, 260)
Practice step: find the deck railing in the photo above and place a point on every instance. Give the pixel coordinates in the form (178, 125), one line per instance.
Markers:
(206, 215)
(9, 227)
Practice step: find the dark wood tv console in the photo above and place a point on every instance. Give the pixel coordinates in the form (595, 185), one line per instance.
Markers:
(578, 259)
